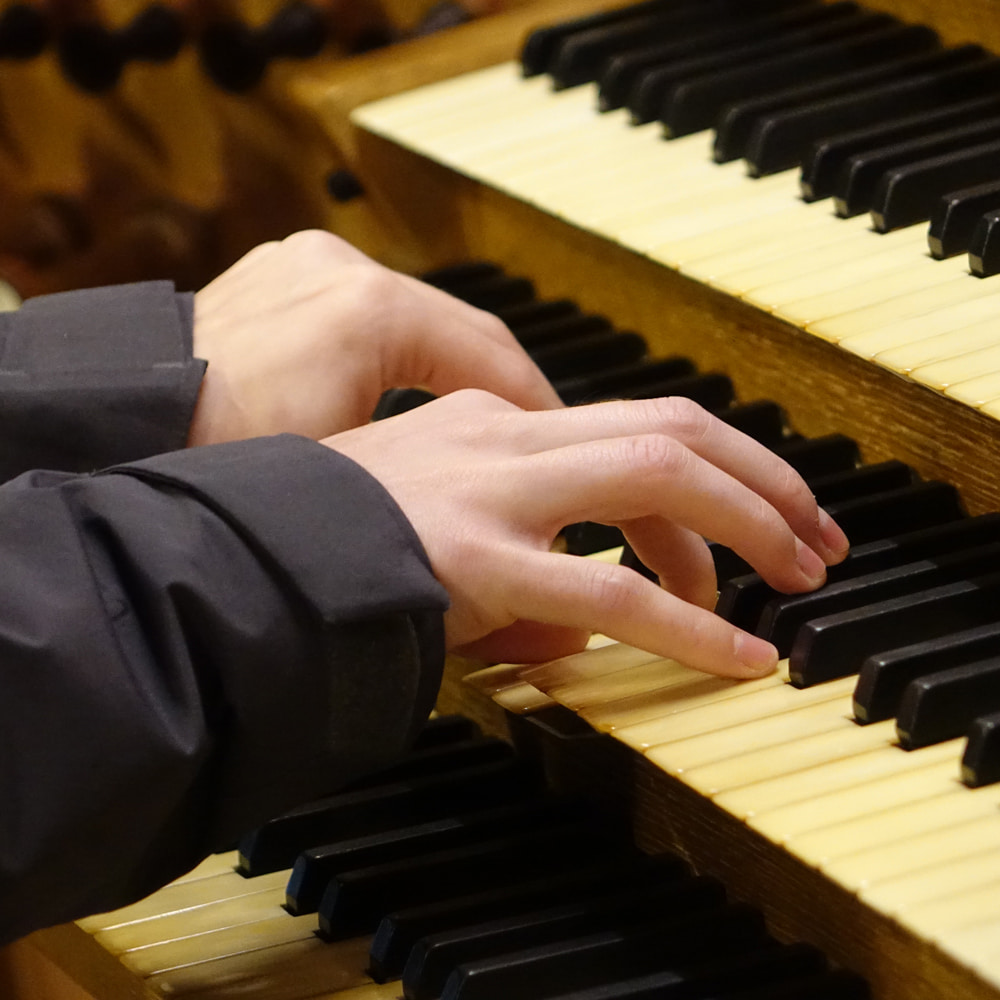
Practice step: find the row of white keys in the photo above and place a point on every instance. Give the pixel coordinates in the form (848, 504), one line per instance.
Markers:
(907, 334)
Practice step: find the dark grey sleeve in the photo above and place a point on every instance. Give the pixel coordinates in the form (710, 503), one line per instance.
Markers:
(189, 645)
(94, 377)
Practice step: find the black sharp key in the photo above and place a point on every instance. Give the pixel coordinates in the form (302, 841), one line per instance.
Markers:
(581, 57)
(728, 565)
(495, 292)
(553, 331)
(587, 537)
(955, 215)
(742, 599)
(861, 481)
(984, 254)
(907, 194)
(455, 276)
(762, 419)
(444, 729)
(393, 402)
(696, 104)
(619, 73)
(651, 88)
(836, 646)
(277, 844)
(812, 457)
(529, 313)
(541, 45)
(593, 353)
(859, 180)
(438, 759)
(837, 985)
(884, 676)
(355, 901)
(611, 384)
(941, 706)
(315, 867)
(777, 138)
(919, 506)
(713, 390)
(770, 967)
(541, 972)
(783, 616)
(827, 155)
(434, 957)
(981, 759)
(398, 932)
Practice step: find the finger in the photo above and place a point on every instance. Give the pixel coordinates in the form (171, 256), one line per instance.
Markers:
(527, 642)
(456, 346)
(679, 557)
(713, 440)
(615, 480)
(587, 594)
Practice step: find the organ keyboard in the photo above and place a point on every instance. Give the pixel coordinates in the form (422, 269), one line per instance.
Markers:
(843, 839)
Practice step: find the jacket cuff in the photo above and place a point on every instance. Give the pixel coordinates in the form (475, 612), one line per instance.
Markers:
(95, 377)
(328, 528)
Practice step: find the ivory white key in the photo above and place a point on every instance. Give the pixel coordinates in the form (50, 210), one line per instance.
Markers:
(737, 741)
(773, 762)
(943, 809)
(819, 261)
(907, 357)
(655, 238)
(970, 908)
(224, 942)
(285, 972)
(523, 699)
(663, 202)
(832, 776)
(976, 392)
(991, 409)
(406, 112)
(608, 659)
(955, 291)
(186, 896)
(652, 676)
(976, 946)
(905, 335)
(662, 703)
(184, 923)
(612, 160)
(961, 367)
(881, 259)
(660, 180)
(373, 991)
(871, 797)
(909, 278)
(895, 895)
(792, 235)
(718, 716)
(870, 866)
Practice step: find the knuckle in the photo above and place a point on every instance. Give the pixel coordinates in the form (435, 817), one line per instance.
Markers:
(655, 454)
(685, 418)
(611, 589)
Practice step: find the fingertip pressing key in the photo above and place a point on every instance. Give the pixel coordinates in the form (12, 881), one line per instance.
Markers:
(833, 538)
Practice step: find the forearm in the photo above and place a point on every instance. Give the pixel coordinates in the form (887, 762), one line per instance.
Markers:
(190, 645)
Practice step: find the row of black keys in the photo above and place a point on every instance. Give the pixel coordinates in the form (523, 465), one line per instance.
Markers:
(233, 54)
(878, 115)
(477, 884)
(914, 610)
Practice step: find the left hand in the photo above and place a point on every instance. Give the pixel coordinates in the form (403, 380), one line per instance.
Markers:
(303, 336)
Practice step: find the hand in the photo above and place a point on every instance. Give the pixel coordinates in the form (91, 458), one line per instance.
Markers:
(487, 486)
(303, 336)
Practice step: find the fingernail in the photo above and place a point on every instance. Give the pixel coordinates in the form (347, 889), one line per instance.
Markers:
(812, 566)
(756, 654)
(832, 537)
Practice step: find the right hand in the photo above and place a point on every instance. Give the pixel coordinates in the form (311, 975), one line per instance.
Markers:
(487, 486)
